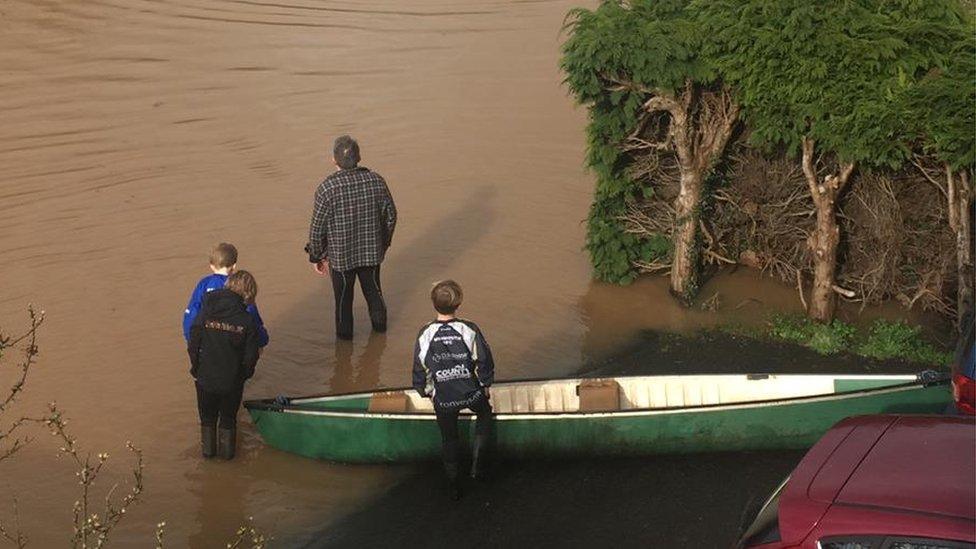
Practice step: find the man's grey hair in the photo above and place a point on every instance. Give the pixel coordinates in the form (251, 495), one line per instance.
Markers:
(346, 152)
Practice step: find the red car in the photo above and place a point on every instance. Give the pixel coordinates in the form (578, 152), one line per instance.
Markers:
(877, 482)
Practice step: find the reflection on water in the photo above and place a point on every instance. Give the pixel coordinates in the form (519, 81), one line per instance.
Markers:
(138, 133)
(350, 375)
(221, 505)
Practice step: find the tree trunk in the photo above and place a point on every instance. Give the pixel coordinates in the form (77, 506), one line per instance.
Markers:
(960, 195)
(700, 127)
(825, 238)
(823, 243)
(684, 269)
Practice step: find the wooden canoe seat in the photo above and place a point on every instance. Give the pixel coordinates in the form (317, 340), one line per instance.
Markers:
(388, 402)
(599, 395)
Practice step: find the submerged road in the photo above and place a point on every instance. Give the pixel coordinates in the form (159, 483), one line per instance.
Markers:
(659, 501)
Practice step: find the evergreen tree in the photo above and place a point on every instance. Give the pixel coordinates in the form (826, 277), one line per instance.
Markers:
(631, 62)
(820, 77)
(941, 112)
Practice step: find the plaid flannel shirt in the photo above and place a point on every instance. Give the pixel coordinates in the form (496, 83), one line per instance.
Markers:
(352, 221)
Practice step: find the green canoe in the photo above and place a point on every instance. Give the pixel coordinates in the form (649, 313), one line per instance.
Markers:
(611, 416)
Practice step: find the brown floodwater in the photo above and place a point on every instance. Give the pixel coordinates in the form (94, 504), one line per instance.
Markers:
(135, 134)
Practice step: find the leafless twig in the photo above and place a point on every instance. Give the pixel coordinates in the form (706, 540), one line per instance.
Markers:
(91, 526)
(248, 533)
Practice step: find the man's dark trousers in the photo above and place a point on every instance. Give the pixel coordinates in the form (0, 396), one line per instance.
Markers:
(343, 285)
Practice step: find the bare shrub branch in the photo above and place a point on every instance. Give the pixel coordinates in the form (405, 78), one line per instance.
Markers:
(91, 526)
(248, 533)
(160, 528)
(29, 352)
(896, 241)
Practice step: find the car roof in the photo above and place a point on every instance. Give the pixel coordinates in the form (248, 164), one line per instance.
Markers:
(924, 464)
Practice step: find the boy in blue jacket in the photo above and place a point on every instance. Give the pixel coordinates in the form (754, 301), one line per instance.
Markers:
(452, 365)
(223, 263)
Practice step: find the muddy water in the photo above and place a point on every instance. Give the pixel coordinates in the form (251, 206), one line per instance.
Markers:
(135, 134)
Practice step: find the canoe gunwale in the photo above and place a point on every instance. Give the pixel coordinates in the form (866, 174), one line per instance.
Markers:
(269, 405)
(752, 376)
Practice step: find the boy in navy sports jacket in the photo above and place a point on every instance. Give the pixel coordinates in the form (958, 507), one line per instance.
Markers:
(223, 263)
(452, 365)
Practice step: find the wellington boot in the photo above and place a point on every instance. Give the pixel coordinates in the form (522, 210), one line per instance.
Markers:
(208, 440)
(454, 486)
(478, 461)
(378, 320)
(228, 443)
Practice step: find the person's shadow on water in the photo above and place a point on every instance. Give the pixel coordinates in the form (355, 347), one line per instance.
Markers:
(364, 373)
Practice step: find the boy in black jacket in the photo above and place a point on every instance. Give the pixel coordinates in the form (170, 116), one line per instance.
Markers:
(452, 365)
(223, 349)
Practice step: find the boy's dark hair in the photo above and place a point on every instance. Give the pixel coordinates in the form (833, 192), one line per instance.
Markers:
(223, 255)
(346, 152)
(243, 284)
(446, 296)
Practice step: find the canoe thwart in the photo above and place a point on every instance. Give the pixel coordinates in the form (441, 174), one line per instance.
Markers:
(598, 395)
(389, 402)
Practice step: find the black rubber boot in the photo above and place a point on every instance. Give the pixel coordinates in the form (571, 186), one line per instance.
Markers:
(208, 440)
(378, 319)
(449, 453)
(228, 443)
(479, 450)
(452, 480)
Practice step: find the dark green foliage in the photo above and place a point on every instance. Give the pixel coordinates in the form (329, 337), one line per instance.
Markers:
(828, 70)
(653, 44)
(899, 340)
(616, 57)
(612, 250)
(941, 109)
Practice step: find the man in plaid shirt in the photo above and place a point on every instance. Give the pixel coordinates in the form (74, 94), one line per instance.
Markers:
(352, 226)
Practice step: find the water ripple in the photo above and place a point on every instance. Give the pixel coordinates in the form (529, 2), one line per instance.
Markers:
(364, 11)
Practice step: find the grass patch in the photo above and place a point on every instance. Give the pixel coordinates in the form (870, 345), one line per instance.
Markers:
(899, 340)
(884, 340)
(826, 339)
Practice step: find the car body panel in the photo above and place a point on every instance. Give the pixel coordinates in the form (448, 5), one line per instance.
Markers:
(936, 478)
(832, 476)
(798, 512)
(883, 474)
